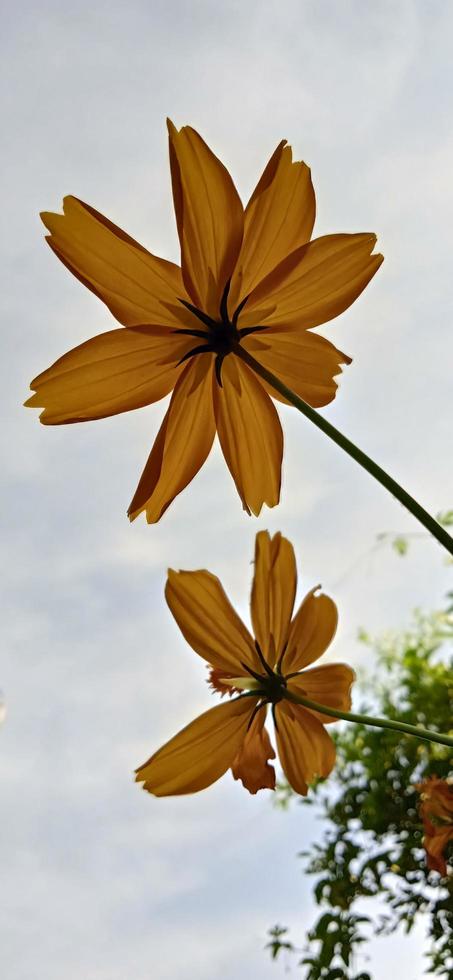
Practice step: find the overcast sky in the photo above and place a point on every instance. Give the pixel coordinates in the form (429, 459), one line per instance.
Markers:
(102, 881)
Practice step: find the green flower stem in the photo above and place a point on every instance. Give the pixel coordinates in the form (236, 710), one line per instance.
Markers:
(395, 726)
(368, 464)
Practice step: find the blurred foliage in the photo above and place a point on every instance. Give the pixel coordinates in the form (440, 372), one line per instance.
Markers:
(400, 542)
(372, 846)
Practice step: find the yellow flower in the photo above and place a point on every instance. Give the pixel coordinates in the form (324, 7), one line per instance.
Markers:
(248, 277)
(232, 735)
(436, 811)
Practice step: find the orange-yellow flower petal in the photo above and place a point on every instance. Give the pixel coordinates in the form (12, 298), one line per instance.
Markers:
(311, 632)
(305, 362)
(200, 754)
(279, 217)
(250, 435)
(182, 444)
(315, 283)
(304, 747)
(209, 216)
(208, 621)
(114, 372)
(134, 284)
(329, 684)
(273, 592)
(251, 764)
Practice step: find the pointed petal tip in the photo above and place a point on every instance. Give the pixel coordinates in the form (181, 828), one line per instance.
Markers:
(144, 786)
(34, 402)
(378, 256)
(46, 218)
(173, 576)
(370, 237)
(262, 535)
(134, 512)
(255, 510)
(281, 146)
(70, 199)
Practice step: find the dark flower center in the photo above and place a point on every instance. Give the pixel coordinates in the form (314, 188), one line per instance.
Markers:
(222, 336)
(272, 684)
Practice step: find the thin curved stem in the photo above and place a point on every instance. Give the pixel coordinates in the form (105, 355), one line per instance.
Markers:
(396, 726)
(349, 447)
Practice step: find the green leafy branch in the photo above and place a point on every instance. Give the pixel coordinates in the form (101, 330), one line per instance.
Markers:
(372, 847)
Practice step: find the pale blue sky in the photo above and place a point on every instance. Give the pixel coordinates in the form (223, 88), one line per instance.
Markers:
(102, 881)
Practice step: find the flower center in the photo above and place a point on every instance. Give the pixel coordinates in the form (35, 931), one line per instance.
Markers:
(272, 683)
(222, 336)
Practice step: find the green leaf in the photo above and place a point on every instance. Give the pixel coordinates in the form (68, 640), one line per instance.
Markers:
(445, 518)
(400, 545)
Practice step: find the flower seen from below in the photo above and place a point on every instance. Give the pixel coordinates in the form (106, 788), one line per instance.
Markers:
(436, 811)
(257, 674)
(249, 277)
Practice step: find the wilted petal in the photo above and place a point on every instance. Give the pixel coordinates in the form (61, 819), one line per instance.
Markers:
(273, 592)
(437, 798)
(278, 219)
(208, 621)
(111, 373)
(250, 435)
(311, 632)
(329, 684)
(317, 282)
(200, 754)
(436, 811)
(435, 845)
(183, 442)
(305, 749)
(251, 763)
(135, 285)
(209, 217)
(223, 682)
